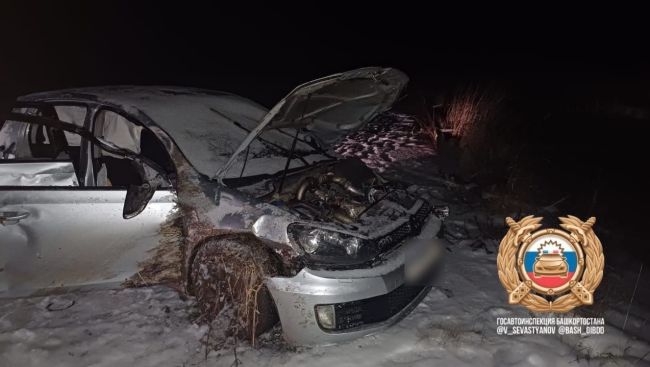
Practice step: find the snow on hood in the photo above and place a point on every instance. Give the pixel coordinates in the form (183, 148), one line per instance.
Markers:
(329, 108)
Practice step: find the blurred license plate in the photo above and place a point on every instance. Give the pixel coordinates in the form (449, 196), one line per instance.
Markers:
(420, 261)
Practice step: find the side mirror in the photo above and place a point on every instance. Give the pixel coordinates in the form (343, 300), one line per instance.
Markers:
(137, 198)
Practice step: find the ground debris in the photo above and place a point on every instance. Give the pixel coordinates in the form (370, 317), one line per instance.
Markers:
(164, 266)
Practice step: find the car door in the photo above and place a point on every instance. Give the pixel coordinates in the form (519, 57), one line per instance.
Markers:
(56, 231)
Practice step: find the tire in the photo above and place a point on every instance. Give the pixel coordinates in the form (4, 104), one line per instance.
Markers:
(231, 271)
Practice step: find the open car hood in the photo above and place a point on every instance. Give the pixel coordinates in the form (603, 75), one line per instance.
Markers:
(329, 108)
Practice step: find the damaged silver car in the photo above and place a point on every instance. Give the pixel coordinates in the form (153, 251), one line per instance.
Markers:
(216, 196)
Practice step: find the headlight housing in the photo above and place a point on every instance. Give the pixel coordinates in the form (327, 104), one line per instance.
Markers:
(321, 243)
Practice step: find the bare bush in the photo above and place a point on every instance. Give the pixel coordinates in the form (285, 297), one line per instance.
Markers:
(463, 129)
(466, 109)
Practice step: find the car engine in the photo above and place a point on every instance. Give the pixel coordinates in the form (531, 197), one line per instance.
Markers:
(340, 192)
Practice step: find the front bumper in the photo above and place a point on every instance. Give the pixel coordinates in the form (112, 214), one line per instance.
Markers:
(382, 287)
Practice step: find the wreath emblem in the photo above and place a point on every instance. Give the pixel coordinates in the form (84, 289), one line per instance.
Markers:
(550, 270)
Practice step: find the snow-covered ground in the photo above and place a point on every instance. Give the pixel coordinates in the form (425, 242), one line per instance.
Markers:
(455, 325)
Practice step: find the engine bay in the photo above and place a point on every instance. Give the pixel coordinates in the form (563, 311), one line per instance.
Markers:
(340, 191)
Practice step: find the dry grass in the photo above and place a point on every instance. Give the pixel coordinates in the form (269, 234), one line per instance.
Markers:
(237, 299)
(470, 110)
(228, 281)
(233, 318)
(462, 112)
(163, 266)
(428, 125)
(464, 130)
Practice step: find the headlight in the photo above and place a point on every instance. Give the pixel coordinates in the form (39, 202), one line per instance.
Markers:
(321, 242)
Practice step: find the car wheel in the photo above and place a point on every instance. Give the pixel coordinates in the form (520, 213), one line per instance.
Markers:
(230, 272)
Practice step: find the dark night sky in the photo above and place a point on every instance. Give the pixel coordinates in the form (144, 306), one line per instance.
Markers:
(547, 53)
(262, 54)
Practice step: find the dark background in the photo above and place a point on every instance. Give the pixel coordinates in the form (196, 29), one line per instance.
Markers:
(547, 58)
(262, 51)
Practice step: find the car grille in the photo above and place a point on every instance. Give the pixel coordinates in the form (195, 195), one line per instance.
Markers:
(376, 309)
(408, 229)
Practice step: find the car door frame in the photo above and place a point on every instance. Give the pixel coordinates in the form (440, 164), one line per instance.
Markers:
(87, 141)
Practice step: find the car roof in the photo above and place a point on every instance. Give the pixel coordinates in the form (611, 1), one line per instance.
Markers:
(161, 94)
(207, 126)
